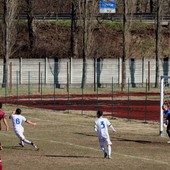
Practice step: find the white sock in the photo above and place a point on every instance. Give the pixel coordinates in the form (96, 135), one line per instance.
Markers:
(22, 142)
(109, 150)
(27, 141)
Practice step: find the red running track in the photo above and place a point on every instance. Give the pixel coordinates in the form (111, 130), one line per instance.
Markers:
(131, 109)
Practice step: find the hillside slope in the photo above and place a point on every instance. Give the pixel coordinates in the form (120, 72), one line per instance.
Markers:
(53, 41)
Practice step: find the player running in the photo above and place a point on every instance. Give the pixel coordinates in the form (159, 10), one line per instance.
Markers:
(101, 126)
(17, 120)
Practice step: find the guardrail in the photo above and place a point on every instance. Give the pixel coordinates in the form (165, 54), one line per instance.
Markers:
(50, 16)
(113, 17)
(136, 16)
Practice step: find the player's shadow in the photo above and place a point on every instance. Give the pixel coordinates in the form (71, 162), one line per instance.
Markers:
(16, 147)
(133, 140)
(68, 156)
(120, 139)
(85, 134)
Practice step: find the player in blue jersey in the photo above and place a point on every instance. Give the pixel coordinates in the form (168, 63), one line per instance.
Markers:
(166, 109)
(101, 126)
(17, 120)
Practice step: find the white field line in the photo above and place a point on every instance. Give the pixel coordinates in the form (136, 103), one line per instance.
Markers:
(113, 153)
(53, 121)
(90, 148)
(98, 150)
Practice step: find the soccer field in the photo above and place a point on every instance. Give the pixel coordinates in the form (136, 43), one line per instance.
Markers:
(67, 141)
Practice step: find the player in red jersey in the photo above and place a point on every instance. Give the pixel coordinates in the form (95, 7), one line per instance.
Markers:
(3, 117)
(0, 163)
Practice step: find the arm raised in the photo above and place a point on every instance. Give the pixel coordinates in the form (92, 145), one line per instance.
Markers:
(30, 123)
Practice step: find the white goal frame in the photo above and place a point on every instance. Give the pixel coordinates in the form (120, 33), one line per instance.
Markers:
(161, 103)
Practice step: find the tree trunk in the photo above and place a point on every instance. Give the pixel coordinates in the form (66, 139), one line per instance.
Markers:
(89, 13)
(158, 25)
(10, 8)
(128, 11)
(85, 36)
(138, 8)
(151, 6)
(6, 44)
(124, 45)
(56, 72)
(30, 18)
(84, 71)
(74, 30)
(99, 70)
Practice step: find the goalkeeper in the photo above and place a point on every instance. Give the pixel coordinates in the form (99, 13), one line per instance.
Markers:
(166, 109)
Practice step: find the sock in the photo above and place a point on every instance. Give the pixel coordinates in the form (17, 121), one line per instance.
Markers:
(27, 141)
(21, 141)
(103, 148)
(109, 150)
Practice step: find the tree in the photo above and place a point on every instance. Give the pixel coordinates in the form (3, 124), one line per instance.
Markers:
(151, 6)
(85, 39)
(30, 18)
(9, 35)
(128, 10)
(158, 36)
(87, 14)
(144, 6)
(74, 29)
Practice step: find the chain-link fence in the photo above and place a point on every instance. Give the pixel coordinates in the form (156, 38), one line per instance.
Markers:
(57, 85)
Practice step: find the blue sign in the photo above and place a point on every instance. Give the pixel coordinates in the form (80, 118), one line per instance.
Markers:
(107, 6)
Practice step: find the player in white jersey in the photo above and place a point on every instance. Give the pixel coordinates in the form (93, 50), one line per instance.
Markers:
(17, 120)
(101, 126)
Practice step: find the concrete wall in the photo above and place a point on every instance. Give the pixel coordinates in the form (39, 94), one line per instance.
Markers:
(32, 71)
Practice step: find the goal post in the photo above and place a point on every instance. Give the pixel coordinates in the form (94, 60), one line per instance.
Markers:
(164, 95)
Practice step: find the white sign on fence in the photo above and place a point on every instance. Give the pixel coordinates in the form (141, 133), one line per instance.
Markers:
(107, 6)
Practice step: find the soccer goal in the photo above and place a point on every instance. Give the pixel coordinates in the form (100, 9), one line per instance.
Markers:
(164, 95)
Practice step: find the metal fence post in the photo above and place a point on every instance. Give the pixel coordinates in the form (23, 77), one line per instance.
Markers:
(29, 85)
(128, 100)
(54, 96)
(39, 72)
(10, 78)
(68, 92)
(112, 98)
(97, 107)
(82, 99)
(17, 74)
(146, 99)
(95, 74)
(149, 71)
(67, 78)
(41, 86)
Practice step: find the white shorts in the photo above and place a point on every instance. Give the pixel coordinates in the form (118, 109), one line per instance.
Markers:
(20, 134)
(105, 141)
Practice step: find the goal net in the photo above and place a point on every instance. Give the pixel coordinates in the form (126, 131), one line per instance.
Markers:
(164, 95)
